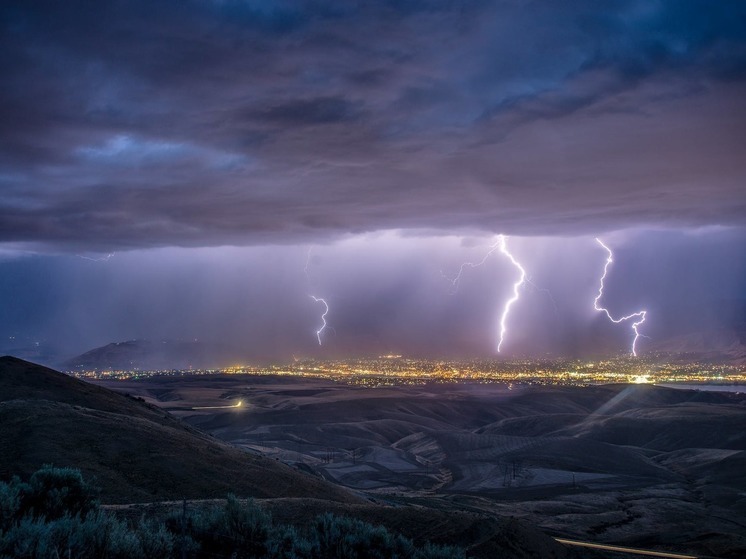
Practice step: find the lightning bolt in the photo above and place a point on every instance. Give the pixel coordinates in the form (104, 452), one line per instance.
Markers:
(323, 316)
(97, 258)
(308, 263)
(545, 291)
(455, 280)
(502, 245)
(639, 314)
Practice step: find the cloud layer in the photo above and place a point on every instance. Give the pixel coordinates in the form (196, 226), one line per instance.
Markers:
(143, 124)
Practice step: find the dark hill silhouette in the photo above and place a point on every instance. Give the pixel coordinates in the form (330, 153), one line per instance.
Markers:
(154, 355)
(135, 451)
(22, 380)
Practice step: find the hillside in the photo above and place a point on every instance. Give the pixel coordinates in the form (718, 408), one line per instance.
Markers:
(135, 451)
(639, 465)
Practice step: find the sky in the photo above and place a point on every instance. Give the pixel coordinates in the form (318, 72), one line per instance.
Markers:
(238, 156)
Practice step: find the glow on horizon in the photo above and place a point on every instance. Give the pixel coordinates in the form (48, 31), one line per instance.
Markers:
(323, 316)
(516, 287)
(639, 314)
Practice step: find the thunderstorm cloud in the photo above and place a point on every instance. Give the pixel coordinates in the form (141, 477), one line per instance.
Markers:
(197, 169)
(141, 124)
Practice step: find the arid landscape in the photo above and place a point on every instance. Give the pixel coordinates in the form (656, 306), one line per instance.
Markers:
(494, 469)
(635, 465)
(147, 461)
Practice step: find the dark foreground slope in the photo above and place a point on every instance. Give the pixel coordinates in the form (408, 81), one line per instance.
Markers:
(138, 453)
(135, 451)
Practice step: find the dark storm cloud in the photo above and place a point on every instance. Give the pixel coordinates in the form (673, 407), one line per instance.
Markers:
(135, 124)
(311, 111)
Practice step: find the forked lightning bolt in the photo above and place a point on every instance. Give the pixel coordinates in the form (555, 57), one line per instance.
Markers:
(455, 280)
(639, 314)
(323, 316)
(516, 287)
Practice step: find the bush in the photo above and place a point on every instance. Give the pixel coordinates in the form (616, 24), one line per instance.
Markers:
(248, 526)
(156, 542)
(431, 551)
(285, 542)
(56, 515)
(10, 502)
(55, 492)
(238, 530)
(99, 535)
(348, 538)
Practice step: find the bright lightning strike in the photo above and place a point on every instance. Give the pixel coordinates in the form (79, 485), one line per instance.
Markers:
(323, 316)
(516, 287)
(457, 278)
(639, 314)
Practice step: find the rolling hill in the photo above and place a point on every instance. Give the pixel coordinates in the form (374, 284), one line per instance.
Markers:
(135, 451)
(640, 465)
(138, 453)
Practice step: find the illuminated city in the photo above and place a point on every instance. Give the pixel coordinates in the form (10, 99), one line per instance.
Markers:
(395, 370)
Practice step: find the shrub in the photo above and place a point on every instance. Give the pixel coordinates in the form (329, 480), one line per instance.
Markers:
(431, 551)
(247, 524)
(54, 492)
(156, 542)
(10, 502)
(56, 515)
(98, 535)
(237, 530)
(285, 542)
(348, 538)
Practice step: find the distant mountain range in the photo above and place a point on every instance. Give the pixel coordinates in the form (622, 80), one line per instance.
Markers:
(722, 346)
(717, 346)
(154, 355)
